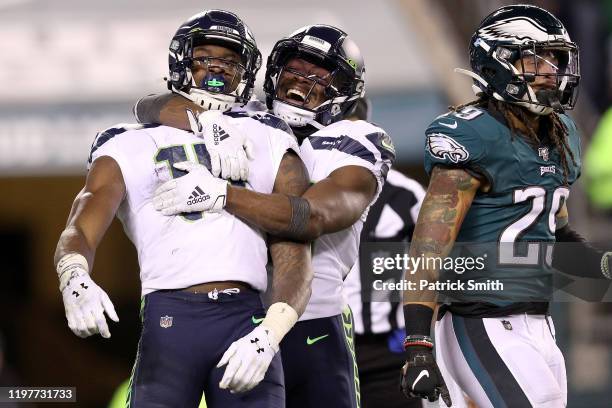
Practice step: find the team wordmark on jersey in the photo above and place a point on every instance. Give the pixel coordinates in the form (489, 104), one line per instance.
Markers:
(442, 146)
(547, 169)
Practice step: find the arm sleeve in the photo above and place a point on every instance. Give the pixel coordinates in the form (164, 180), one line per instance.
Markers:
(581, 259)
(575, 147)
(147, 108)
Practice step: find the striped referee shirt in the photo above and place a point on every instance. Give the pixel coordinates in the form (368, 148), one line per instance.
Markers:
(391, 219)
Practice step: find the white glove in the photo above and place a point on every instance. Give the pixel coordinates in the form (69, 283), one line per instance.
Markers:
(84, 301)
(230, 150)
(248, 359)
(194, 192)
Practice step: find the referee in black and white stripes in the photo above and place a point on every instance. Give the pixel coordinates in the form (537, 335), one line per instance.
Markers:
(379, 323)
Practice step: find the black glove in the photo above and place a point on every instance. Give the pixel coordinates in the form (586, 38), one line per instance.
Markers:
(420, 376)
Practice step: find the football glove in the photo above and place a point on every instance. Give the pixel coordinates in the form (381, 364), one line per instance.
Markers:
(229, 149)
(194, 192)
(248, 359)
(84, 301)
(420, 376)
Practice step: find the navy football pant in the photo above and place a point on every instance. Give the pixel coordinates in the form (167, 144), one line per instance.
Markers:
(319, 363)
(183, 338)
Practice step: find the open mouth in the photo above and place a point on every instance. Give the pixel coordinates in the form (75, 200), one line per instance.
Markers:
(296, 95)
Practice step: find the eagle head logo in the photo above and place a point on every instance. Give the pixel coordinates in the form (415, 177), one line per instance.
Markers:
(445, 147)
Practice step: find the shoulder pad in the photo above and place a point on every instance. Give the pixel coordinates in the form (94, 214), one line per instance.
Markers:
(262, 117)
(359, 138)
(108, 133)
(272, 121)
(456, 119)
(453, 140)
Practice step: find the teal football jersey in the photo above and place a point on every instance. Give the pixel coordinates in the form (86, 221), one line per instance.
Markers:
(527, 191)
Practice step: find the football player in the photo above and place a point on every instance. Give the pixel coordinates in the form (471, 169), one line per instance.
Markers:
(202, 274)
(313, 80)
(501, 168)
(379, 323)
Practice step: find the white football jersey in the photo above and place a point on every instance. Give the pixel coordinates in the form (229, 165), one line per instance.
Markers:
(344, 143)
(184, 250)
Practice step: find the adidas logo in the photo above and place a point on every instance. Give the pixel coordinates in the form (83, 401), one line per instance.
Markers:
(197, 196)
(219, 134)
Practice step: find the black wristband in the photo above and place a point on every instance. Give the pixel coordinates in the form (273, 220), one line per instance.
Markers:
(417, 319)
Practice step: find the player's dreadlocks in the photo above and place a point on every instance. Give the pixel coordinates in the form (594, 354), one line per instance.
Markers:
(557, 131)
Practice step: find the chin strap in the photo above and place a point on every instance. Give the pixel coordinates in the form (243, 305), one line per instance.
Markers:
(316, 125)
(545, 96)
(294, 116)
(208, 101)
(472, 75)
(550, 97)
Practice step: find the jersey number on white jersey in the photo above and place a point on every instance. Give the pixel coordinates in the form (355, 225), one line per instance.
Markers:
(178, 153)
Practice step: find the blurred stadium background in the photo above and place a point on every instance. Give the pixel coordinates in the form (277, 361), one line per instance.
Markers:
(70, 68)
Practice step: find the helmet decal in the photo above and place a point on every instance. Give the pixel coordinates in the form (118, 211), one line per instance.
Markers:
(514, 36)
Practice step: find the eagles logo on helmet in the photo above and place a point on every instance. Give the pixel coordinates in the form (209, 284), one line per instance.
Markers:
(509, 35)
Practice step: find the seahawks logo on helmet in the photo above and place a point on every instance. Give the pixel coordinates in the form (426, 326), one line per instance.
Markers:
(445, 147)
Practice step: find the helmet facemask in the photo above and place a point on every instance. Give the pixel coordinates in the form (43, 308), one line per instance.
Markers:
(314, 77)
(295, 90)
(544, 78)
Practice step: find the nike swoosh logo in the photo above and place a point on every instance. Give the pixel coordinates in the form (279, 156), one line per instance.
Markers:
(310, 341)
(452, 126)
(423, 373)
(256, 320)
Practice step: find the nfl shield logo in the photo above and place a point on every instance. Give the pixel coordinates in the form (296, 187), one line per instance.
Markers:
(165, 321)
(543, 153)
(507, 325)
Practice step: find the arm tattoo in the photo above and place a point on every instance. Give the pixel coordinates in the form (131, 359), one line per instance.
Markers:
(449, 196)
(148, 108)
(294, 179)
(445, 205)
(300, 215)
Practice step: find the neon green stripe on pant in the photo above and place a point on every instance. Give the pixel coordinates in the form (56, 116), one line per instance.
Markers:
(349, 336)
